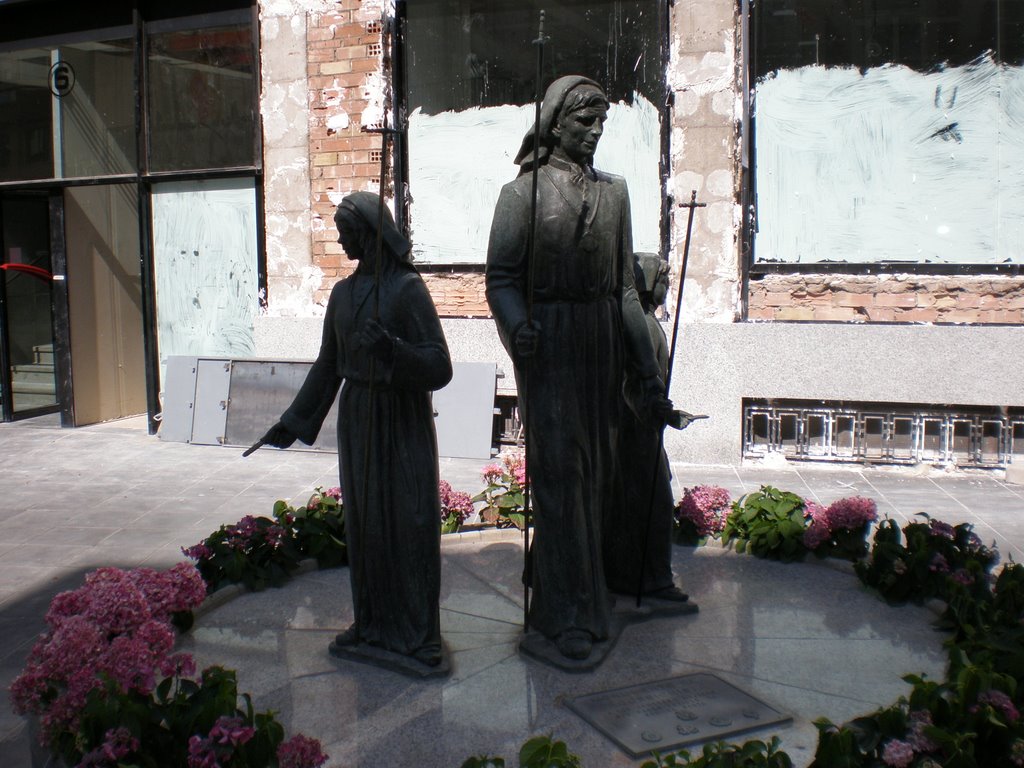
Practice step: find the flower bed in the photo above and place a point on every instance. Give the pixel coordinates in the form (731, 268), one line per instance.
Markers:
(108, 689)
(971, 719)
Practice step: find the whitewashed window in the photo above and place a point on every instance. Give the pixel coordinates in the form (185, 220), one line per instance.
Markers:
(889, 132)
(471, 77)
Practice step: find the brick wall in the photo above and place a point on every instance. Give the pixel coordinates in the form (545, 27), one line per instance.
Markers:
(888, 298)
(342, 48)
(345, 65)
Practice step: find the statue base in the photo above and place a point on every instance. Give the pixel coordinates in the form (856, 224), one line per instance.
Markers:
(361, 653)
(539, 648)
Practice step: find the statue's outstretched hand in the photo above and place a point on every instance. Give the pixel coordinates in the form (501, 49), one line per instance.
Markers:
(377, 340)
(682, 419)
(278, 436)
(526, 340)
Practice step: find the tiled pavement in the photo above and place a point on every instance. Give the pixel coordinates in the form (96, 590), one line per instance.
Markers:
(110, 494)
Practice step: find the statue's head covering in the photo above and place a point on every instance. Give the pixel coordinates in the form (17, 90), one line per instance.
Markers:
(365, 208)
(551, 107)
(646, 269)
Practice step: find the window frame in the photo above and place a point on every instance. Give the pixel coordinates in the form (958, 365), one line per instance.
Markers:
(748, 191)
(400, 112)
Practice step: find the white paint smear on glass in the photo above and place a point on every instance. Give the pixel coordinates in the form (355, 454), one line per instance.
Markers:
(458, 162)
(891, 164)
(204, 235)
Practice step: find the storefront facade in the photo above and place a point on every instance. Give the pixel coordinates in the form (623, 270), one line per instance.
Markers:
(853, 290)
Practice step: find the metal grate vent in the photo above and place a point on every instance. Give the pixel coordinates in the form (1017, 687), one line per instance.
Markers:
(887, 433)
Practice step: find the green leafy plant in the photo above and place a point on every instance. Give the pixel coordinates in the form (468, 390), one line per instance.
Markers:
(538, 752)
(767, 523)
(750, 754)
(970, 721)
(504, 497)
(318, 528)
(261, 552)
(925, 560)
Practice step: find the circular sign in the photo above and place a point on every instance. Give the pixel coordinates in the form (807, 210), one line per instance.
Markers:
(62, 79)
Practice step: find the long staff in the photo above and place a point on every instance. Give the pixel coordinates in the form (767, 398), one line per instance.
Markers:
(692, 205)
(385, 133)
(531, 251)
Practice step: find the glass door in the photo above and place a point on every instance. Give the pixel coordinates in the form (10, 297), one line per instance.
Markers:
(26, 316)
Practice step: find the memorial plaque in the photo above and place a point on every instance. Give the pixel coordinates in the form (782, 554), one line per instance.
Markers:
(669, 714)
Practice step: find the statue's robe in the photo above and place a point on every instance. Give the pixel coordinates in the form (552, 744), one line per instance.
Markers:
(570, 392)
(390, 495)
(645, 516)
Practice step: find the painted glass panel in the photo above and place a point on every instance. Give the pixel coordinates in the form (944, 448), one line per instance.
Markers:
(889, 131)
(471, 72)
(204, 249)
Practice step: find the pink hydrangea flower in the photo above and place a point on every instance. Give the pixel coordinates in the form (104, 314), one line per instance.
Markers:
(201, 753)
(454, 502)
(897, 754)
(492, 473)
(300, 752)
(919, 742)
(706, 507)
(231, 731)
(1000, 702)
(1017, 752)
(942, 530)
(962, 576)
(334, 493)
(117, 743)
(851, 513)
(938, 564)
(817, 533)
(515, 467)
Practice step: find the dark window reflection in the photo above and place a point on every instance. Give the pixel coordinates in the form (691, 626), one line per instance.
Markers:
(26, 135)
(480, 53)
(201, 98)
(921, 34)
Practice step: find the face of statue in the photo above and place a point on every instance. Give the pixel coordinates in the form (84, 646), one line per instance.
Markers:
(660, 290)
(578, 133)
(350, 236)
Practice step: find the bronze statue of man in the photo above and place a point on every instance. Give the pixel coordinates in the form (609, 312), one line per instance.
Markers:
(384, 347)
(571, 342)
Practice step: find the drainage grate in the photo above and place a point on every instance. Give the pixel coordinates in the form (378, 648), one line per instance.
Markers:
(891, 433)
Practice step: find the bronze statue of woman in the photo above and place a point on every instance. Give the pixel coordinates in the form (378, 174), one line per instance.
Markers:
(384, 348)
(585, 328)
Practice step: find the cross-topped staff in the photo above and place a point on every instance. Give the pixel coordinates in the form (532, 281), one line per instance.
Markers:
(692, 204)
(531, 251)
(385, 135)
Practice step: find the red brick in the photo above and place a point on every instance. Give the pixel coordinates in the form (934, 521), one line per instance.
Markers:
(880, 314)
(844, 299)
(918, 316)
(832, 314)
(960, 316)
(895, 300)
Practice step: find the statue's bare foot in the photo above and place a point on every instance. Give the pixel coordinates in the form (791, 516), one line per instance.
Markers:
(349, 637)
(575, 644)
(671, 593)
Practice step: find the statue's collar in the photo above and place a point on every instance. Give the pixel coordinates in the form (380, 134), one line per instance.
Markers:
(570, 167)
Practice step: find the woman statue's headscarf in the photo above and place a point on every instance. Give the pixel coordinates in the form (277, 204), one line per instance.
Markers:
(364, 207)
(554, 100)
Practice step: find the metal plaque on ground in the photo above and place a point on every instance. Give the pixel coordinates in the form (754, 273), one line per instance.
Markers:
(669, 714)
